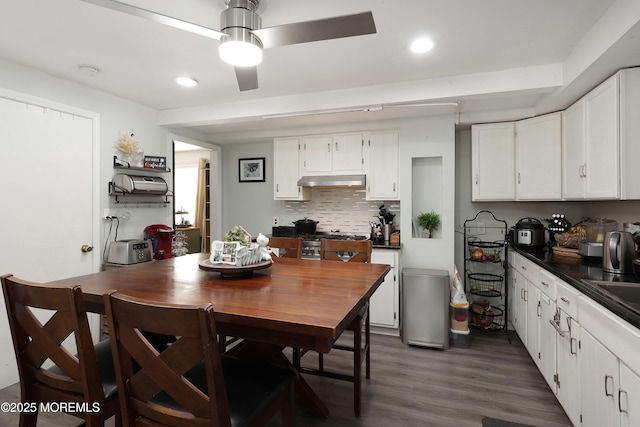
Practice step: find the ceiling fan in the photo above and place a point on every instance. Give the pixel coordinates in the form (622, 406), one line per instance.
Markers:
(242, 37)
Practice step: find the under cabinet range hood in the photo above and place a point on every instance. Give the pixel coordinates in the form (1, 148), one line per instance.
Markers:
(332, 181)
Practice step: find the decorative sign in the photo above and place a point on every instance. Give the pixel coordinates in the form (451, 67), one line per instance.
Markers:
(155, 162)
(251, 170)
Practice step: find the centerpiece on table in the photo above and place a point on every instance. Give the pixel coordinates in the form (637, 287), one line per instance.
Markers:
(236, 248)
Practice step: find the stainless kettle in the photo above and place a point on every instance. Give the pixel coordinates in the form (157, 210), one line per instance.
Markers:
(618, 252)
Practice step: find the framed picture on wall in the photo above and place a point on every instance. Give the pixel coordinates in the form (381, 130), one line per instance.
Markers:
(251, 170)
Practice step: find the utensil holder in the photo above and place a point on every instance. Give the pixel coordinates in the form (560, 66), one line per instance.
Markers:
(387, 229)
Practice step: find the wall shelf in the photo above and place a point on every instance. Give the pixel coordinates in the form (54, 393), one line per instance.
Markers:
(123, 164)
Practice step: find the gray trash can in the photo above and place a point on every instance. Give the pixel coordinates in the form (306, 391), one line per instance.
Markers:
(425, 307)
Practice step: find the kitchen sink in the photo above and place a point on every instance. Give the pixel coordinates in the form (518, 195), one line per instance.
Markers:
(625, 292)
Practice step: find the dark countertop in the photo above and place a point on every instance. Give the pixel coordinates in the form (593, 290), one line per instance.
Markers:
(396, 247)
(577, 271)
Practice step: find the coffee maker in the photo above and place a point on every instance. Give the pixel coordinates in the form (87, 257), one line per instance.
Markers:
(161, 237)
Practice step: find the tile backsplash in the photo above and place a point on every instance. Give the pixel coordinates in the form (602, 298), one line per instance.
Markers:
(343, 209)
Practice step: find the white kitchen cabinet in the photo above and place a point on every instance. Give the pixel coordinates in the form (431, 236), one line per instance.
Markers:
(316, 154)
(286, 172)
(332, 154)
(382, 166)
(629, 134)
(384, 303)
(568, 359)
(611, 367)
(492, 162)
(599, 383)
(590, 144)
(519, 307)
(538, 165)
(547, 346)
(534, 314)
(628, 397)
(348, 153)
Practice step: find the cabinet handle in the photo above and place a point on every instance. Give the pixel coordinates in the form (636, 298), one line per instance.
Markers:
(620, 393)
(546, 285)
(566, 301)
(584, 170)
(394, 187)
(526, 295)
(539, 309)
(328, 148)
(477, 178)
(518, 177)
(608, 379)
(336, 146)
(523, 267)
(277, 188)
(572, 347)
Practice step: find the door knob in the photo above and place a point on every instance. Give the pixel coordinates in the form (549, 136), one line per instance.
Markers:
(86, 248)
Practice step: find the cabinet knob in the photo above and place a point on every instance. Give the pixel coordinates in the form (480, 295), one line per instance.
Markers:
(86, 248)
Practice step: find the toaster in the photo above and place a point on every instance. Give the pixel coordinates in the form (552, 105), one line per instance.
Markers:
(129, 251)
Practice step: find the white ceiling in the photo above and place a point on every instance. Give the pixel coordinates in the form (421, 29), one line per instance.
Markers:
(498, 59)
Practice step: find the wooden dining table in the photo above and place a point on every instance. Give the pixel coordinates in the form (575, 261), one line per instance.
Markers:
(293, 303)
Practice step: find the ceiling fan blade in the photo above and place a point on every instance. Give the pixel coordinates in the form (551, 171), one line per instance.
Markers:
(321, 29)
(157, 17)
(247, 78)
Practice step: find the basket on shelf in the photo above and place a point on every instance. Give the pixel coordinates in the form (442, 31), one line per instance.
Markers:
(485, 284)
(484, 316)
(485, 251)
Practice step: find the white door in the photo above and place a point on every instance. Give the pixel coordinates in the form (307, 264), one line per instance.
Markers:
(47, 195)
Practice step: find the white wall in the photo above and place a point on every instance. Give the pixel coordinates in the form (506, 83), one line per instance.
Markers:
(117, 116)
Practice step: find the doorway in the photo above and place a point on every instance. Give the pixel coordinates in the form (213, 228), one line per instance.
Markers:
(195, 193)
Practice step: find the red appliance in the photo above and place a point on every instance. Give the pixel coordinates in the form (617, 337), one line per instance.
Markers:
(161, 237)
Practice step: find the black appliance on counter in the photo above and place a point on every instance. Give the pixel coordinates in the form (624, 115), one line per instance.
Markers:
(311, 242)
(528, 232)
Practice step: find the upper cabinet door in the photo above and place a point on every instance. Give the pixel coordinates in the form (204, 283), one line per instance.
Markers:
(602, 112)
(492, 161)
(573, 165)
(538, 158)
(285, 170)
(348, 153)
(382, 173)
(316, 155)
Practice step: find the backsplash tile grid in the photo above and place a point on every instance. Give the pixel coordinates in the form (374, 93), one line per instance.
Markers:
(342, 209)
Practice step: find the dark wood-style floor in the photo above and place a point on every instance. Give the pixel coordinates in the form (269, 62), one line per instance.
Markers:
(413, 386)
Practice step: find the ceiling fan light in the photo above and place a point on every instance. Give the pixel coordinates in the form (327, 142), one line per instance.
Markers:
(240, 53)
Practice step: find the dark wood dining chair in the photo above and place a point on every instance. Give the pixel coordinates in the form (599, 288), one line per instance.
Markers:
(189, 383)
(86, 380)
(347, 251)
(288, 247)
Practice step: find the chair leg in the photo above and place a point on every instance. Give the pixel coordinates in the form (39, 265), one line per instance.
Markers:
(287, 409)
(357, 370)
(320, 362)
(28, 419)
(296, 358)
(367, 329)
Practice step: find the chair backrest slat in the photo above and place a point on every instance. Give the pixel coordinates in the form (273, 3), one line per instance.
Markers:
(346, 250)
(288, 247)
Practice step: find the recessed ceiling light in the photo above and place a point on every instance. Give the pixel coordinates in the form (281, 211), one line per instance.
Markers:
(422, 45)
(186, 81)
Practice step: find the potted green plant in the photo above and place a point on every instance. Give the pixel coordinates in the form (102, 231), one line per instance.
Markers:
(429, 221)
